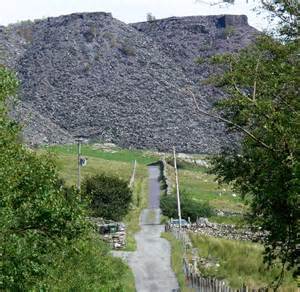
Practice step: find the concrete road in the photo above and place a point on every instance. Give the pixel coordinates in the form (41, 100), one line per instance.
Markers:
(151, 262)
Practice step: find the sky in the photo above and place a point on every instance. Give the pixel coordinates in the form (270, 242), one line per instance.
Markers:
(128, 11)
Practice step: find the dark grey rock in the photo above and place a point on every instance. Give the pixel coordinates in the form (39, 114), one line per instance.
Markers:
(89, 74)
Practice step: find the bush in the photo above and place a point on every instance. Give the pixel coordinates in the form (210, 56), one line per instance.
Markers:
(110, 197)
(189, 207)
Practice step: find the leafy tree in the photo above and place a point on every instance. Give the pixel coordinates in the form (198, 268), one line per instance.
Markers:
(43, 227)
(110, 196)
(287, 14)
(263, 84)
(37, 219)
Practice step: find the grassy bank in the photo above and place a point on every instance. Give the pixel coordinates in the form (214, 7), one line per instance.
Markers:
(239, 263)
(177, 260)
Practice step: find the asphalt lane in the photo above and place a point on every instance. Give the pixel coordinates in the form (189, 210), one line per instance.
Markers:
(151, 262)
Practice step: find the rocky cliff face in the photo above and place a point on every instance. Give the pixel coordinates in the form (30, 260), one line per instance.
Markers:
(89, 74)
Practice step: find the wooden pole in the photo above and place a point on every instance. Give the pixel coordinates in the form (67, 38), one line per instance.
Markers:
(177, 188)
(78, 163)
(133, 175)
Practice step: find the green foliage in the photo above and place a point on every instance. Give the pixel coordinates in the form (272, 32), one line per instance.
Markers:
(287, 12)
(200, 60)
(189, 207)
(44, 232)
(264, 107)
(38, 218)
(110, 196)
(95, 270)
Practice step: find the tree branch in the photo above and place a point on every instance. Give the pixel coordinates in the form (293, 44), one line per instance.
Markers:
(260, 142)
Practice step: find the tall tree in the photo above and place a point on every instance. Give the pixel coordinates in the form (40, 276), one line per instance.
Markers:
(38, 220)
(262, 83)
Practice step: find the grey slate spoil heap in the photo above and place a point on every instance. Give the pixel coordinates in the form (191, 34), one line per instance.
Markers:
(92, 75)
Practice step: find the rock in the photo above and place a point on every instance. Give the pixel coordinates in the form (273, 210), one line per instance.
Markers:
(91, 75)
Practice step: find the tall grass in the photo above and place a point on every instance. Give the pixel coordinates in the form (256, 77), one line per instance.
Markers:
(239, 262)
(177, 260)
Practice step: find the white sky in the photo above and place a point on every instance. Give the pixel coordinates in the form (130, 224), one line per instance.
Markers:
(126, 10)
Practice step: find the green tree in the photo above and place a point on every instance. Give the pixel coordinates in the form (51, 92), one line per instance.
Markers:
(37, 219)
(263, 107)
(110, 196)
(43, 226)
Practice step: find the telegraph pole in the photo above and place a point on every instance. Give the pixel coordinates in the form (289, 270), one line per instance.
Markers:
(78, 140)
(177, 188)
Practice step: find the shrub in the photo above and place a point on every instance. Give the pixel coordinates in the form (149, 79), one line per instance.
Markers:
(200, 60)
(110, 197)
(189, 207)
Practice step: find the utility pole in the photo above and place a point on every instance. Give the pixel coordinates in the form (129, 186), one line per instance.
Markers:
(133, 175)
(78, 140)
(177, 189)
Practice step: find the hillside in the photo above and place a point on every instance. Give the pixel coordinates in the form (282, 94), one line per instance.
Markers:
(92, 75)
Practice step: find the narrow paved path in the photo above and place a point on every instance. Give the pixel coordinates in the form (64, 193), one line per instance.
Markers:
(151, 262)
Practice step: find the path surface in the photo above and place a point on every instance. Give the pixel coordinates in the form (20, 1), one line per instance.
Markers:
(151, 262)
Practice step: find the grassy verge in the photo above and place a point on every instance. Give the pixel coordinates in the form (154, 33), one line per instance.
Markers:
(132, 219)
(239, 263)
(177, 260)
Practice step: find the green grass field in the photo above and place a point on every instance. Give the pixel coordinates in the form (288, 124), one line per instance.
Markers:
(203, 187)
(200, 186)
(113, 154)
